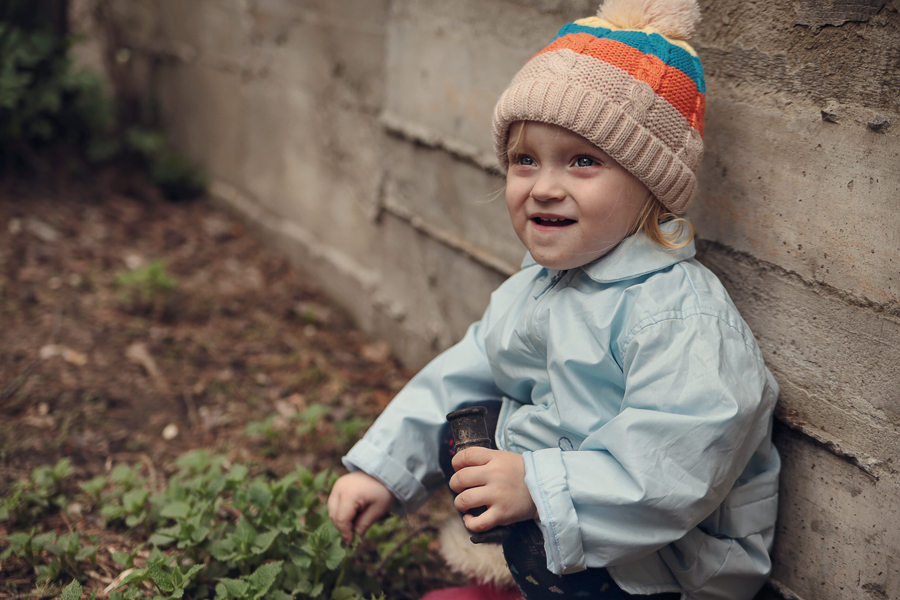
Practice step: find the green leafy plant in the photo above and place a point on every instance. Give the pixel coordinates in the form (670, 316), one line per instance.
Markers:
(50, 556)
(169, 580)
(66, 556)
(73, 591)
(215, 529)
(147, 289)
(268, 430)
(130, 509)
(122, 497)
(309, 418)
(28, 546)
(93, 488)
(312, 425)
(42, 492)
(43, 99)
(253, 586)
(350, 429)
(173, 172)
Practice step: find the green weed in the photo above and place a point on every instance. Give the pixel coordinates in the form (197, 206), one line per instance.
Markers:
(218, 532)
(44, 100)
(173, 172)
(73, 592)
(309, 419)
(312, 425)
(272, 435)
(307, 378)
(50, 556)
(66, 555)
(35, 496)
(168, 579)
(350, 429)
(148, 289)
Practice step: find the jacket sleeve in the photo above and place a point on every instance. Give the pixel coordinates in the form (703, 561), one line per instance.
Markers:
(401, 447)
(694, 410)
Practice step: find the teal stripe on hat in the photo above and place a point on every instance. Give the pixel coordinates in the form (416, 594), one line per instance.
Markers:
(653, 44)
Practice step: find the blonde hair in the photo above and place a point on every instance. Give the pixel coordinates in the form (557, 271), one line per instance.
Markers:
(655, 214)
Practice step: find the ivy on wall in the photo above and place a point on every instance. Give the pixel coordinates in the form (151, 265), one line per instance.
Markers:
(46, 102)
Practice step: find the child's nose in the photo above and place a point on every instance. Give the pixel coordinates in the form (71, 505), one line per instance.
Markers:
(548, 186)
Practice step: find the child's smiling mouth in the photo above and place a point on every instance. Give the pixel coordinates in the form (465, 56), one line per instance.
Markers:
(552, 221)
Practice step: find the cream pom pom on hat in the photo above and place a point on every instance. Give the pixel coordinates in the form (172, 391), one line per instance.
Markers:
(627, 81)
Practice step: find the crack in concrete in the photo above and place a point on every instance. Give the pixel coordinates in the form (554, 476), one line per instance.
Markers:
(888, 309)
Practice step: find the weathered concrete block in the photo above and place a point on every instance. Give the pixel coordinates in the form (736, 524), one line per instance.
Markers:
(755, 52)
(836, 361)
(429, 308)
(448, 62)
(197, 119)
(813, 197)
(457, 197)
(837, 535)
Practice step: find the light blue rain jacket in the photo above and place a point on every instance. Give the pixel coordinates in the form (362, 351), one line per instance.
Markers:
(639, 400)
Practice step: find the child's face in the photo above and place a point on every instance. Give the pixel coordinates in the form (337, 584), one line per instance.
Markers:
(570, 203)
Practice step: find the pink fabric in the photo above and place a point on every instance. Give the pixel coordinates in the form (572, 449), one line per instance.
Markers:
(474, 592)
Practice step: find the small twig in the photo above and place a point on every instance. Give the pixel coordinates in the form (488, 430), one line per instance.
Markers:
(105, 567)
(191, 408)
(151, 471)
(13, 386)
(99, 577)
(65, 519)
(116, 582)
(423, 529)
(232, 511)
(57, 320)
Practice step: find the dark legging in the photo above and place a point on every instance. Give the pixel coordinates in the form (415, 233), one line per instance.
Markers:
(523, 546)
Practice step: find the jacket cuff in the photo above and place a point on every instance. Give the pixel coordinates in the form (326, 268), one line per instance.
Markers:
(545, 476)
(367, 457)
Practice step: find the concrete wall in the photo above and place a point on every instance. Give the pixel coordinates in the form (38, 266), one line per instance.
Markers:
(356, 136)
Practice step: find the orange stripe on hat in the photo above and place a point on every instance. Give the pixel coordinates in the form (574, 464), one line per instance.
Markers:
(677, 88)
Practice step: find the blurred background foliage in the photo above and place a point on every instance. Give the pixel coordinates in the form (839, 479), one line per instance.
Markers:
(53, 113)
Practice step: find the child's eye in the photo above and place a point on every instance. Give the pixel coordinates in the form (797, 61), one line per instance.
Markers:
(585, 161)
(525, 160)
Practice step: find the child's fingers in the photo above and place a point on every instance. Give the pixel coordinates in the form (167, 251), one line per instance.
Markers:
(479, 523)
(342, 514)
(344, 524)
(356, 501)
(366, 517)
(483, 517)
(468, 477)
(471, 457)
(471, 498)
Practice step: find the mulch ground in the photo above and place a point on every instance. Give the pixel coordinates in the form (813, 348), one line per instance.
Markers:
(102, 371)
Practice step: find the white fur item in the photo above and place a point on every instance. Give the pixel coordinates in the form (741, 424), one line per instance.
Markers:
(675, 19)
(482, 562)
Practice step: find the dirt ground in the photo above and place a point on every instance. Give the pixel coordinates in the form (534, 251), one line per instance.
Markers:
(100, 371)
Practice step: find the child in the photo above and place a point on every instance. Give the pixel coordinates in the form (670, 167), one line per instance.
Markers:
(634, 422)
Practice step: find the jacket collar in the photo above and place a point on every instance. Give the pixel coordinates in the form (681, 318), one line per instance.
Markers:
(634, 256)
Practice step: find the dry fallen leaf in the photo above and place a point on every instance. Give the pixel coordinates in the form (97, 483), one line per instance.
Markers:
(376, 351)
(70, 356)
(382, 398)
(138, 354)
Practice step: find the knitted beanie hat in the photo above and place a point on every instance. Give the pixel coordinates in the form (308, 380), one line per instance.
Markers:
(626, 81)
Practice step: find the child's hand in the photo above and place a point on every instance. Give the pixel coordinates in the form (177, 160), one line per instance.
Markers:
(495, 479)
(357, 500)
